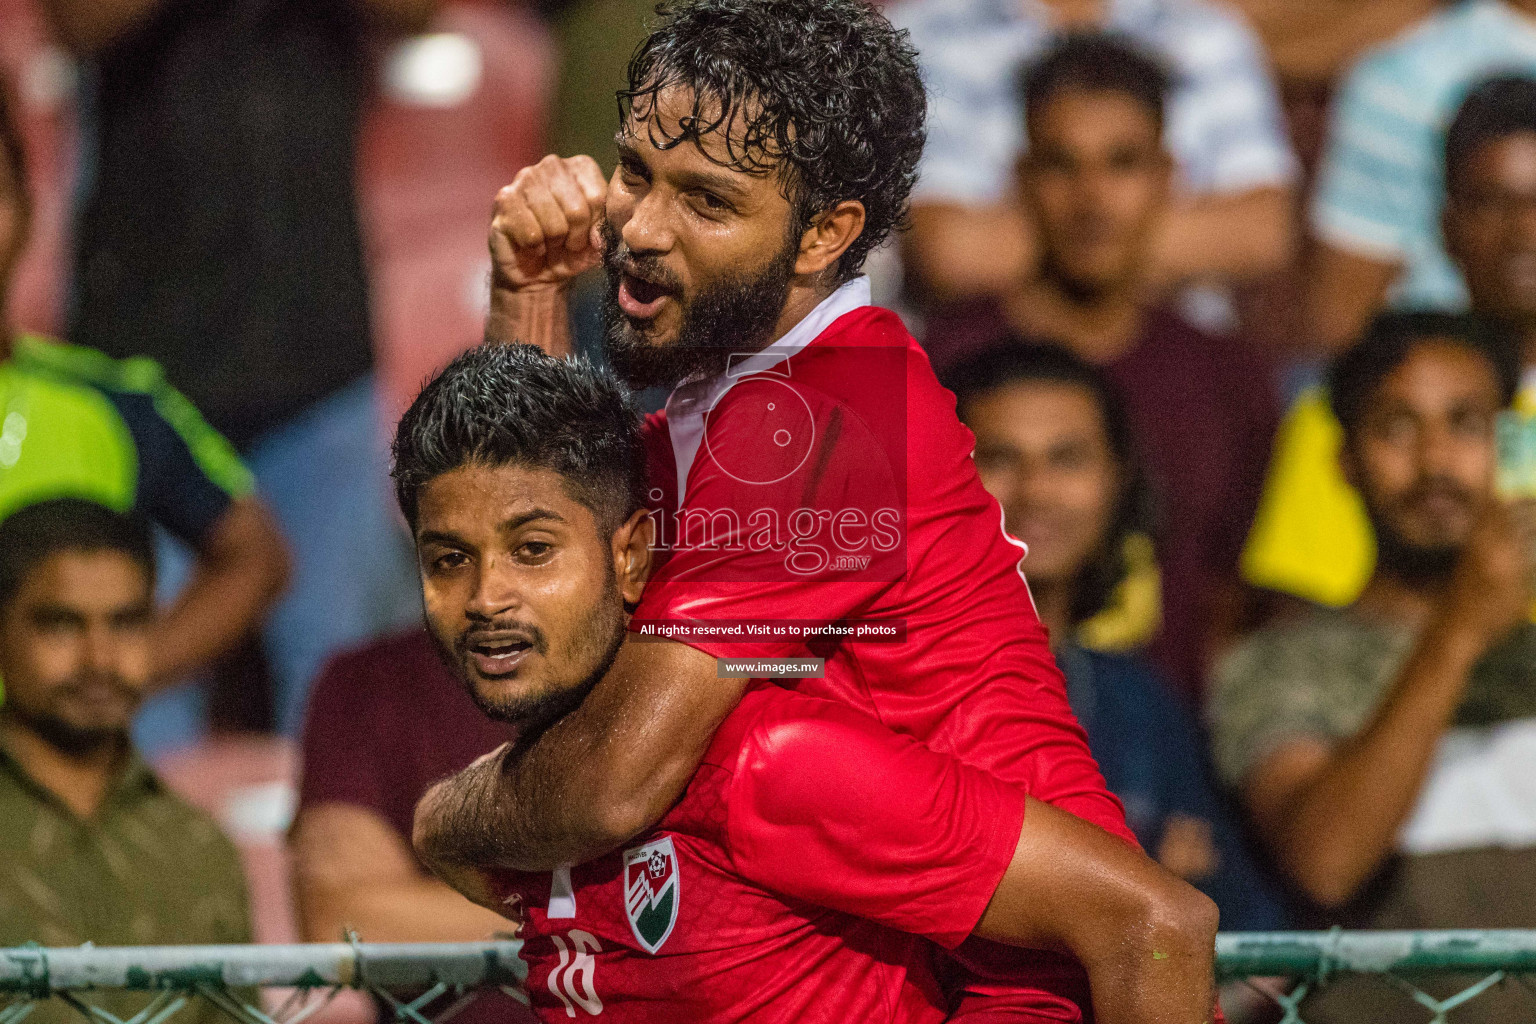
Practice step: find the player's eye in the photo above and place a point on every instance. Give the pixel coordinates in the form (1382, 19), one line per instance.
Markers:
(1472, 422)
(1398, 429)
(449, 561)
(1070, 456)
(535, 550)
(712, 203)
(632, 171)
(995, 459)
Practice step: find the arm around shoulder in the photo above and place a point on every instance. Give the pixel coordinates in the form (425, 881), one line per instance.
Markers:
(602, 774)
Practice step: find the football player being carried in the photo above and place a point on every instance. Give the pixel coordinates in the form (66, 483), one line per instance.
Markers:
(808, 471)
(816, 857)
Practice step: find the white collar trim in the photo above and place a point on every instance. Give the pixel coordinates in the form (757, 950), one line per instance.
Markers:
(690, 403)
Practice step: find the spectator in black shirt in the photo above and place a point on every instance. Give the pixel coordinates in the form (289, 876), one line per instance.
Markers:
(218, 234)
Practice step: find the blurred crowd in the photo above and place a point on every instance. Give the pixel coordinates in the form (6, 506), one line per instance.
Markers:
(1231, 293)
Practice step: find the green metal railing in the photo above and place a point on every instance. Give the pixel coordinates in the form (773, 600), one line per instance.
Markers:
(1488, 963)
(439, 976)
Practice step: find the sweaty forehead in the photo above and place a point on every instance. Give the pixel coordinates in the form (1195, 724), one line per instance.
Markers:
(703, 127)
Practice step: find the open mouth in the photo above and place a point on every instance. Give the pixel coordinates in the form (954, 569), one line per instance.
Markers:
(498, 656)
(640, 299)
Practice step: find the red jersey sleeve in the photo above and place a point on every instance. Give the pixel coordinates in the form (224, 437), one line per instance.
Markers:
(828, 806)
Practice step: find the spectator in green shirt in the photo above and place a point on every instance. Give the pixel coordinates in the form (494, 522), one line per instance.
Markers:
(1385, 750)
(76, 423)
(94, 848)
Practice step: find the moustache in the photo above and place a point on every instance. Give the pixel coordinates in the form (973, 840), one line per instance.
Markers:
(1437, 488)
(90, 683)
(500, 635)
(619, 259)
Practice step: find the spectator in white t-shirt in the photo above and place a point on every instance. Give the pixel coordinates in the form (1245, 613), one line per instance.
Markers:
(1225, 129)
(1376, 213)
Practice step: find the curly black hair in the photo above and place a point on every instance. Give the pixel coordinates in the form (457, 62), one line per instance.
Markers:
(512, 404)
(824, 93)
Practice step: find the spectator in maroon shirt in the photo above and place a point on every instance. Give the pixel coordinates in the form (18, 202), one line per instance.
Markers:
(385, 722)
(1096, 179)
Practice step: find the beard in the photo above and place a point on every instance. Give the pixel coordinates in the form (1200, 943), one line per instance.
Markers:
(1416, 562)
(734, 315)
(590, 652)
(71, 738)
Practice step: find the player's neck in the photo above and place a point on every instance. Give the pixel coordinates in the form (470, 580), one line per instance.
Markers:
(802, 299)
(1100, 329)
(78, 781)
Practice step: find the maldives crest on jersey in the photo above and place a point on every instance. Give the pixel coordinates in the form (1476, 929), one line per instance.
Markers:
(651, 891)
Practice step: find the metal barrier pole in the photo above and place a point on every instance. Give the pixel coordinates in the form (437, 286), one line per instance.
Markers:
(38, 971)
(1318, 954)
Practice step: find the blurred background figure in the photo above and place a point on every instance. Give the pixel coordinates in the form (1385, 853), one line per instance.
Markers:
(1312, 537)
(1385, 750)
(1489, 216)
(217, 232)
(1096, 182)
(94, 848)
(385, 722)
(1310, 41)
(1230, 217)
(74, 422)
(1376, 210)
(1054, 445)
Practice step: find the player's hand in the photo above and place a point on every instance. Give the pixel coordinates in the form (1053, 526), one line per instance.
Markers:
(545, 228)
(1491, 590)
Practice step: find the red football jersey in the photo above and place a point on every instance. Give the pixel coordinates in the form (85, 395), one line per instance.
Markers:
(781, 887)
(828, 502)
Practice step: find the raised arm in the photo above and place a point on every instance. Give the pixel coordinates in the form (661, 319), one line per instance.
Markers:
(544, 234)
(596, 778)
(242, 567)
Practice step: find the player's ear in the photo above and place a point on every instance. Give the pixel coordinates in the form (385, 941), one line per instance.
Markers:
(632, 555)
(829, 236)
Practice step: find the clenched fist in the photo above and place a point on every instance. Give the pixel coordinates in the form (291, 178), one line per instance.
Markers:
(545, 228)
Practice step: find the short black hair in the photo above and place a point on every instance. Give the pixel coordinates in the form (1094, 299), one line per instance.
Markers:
(1392, 337)
(825, 93)
(512, 404)
(36, 532)
(1495, 109)
(1096, 62)
(1017, 360)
